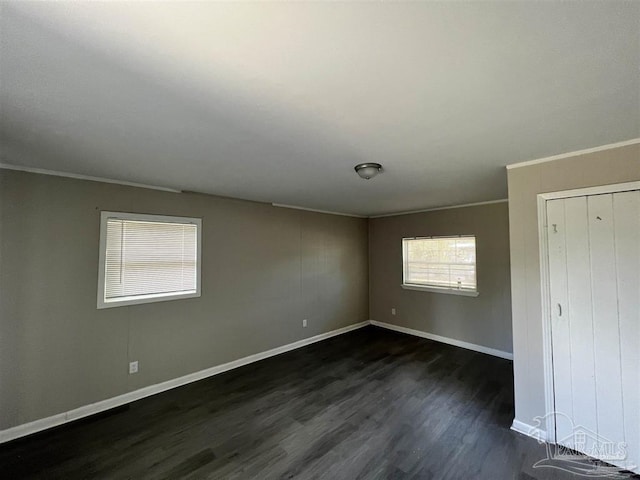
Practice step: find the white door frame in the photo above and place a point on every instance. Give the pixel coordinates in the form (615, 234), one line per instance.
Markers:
(546, 286)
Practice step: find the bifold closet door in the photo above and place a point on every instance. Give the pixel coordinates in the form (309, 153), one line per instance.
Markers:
(627, 233)
(594, 265)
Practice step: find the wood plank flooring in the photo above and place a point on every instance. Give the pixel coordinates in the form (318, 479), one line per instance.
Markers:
(370, 404)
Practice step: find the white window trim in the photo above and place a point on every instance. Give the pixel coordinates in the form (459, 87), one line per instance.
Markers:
(451, 291)
(432, 288)
(151, 298)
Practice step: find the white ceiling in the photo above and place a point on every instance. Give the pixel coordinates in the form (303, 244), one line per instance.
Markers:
(277, 102)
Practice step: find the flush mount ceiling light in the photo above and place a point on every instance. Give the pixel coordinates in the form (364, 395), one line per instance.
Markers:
(368, 170)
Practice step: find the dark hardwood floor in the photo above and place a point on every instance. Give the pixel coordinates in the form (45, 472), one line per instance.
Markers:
(371, 404)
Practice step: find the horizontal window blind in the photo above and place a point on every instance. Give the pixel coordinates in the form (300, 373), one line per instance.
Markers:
(148, 258)
(446, 262)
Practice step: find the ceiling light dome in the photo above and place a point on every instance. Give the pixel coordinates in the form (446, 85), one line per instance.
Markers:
(368, 170)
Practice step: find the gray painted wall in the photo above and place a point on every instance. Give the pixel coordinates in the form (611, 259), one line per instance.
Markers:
(484, 320)
(264, 269)
(525, 183)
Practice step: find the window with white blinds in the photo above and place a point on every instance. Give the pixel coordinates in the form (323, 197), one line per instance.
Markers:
(147, 258)
(440, 263)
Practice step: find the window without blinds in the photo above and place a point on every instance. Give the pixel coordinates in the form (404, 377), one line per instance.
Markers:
(440, 262)
(147, 258)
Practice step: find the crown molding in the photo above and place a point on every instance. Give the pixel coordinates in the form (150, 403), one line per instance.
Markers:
(586, 151)
(436, 209)
(55, 173)
(328, 212)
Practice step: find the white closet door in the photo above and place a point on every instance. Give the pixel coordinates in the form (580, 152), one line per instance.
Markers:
(594, 267)
(626, 208)
(580, 317)
(605, 317)
(560, 319)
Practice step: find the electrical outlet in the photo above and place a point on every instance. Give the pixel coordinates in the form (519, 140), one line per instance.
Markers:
(133, 367)
(304, 323)
(393, 311)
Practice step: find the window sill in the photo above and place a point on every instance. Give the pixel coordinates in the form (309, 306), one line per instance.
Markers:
(449, 291)
(151, 298)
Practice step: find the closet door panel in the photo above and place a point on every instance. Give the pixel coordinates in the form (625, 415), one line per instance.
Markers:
(580, 318)
(559, 320)
(605, 318)
(626, 207)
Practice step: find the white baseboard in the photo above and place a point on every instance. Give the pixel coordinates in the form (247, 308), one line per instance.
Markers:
(529, 430)
(86, 410)
(91, 409)
(447, 340)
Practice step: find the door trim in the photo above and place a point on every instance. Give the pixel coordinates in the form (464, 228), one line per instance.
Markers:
(545, 286)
